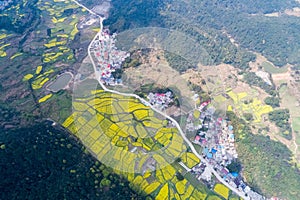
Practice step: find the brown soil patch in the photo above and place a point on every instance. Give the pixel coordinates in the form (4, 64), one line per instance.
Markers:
(157, 70)
(282, 77)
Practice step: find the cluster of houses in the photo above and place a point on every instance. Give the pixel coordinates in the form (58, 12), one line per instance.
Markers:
(109, 59)
(216, 137)
(160, 100)
(202, 172)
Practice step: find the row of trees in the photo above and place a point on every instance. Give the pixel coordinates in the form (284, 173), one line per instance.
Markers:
(281, 118)
(272, 101)
(252, 79)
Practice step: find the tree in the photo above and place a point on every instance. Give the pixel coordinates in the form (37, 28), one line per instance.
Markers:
(179, 176)
(234, 166)
(272, 101)
(248, 116)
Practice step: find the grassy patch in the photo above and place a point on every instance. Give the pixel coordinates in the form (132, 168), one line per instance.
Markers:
(268, 67)
(296, 124)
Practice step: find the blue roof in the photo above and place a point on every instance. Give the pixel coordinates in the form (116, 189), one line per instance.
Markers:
(209, 155)
(205, 150)
(213, 150)
(231, 136)
(230, 127)
(234, 174)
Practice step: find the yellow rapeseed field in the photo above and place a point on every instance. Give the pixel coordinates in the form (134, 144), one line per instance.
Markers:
(221, 190)
(45, 98)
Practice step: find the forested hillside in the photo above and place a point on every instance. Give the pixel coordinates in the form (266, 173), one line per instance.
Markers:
(212, 22)
(256, 6)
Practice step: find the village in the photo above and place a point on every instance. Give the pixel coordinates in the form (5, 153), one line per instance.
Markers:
(160, 100)
(109, 59)
(216, 138)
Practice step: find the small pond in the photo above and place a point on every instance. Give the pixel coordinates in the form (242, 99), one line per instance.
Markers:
(60, 82)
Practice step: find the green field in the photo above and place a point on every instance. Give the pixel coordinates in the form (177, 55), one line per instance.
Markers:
(296, 124)
(268, 67)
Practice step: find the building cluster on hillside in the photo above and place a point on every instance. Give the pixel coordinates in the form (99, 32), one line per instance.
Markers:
(109, 59)
(216, 137)
(160, 100)
(202, 172)
(4, 3)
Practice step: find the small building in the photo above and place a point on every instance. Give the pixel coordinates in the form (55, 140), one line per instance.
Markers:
(214, 150)
(197, 138)
(209, 155)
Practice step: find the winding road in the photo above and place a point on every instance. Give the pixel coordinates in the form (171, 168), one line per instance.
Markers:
(98, 76)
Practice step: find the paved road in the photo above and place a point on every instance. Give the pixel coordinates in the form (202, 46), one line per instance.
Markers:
(98, 76)
(185, 167)
(90, 11)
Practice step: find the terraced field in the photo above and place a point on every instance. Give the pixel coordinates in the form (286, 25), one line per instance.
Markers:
(137, 143)
(117, 126)
(52, 41)
(254, 106)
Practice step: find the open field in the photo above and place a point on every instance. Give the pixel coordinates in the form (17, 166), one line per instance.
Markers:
(243, 105)
(270, 68)
(124, 123)
(50, 43)
(222, 190)
(296, 124)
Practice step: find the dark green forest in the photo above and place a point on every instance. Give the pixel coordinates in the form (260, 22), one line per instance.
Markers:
(272, 101)
(256, 6)
(42, 162)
